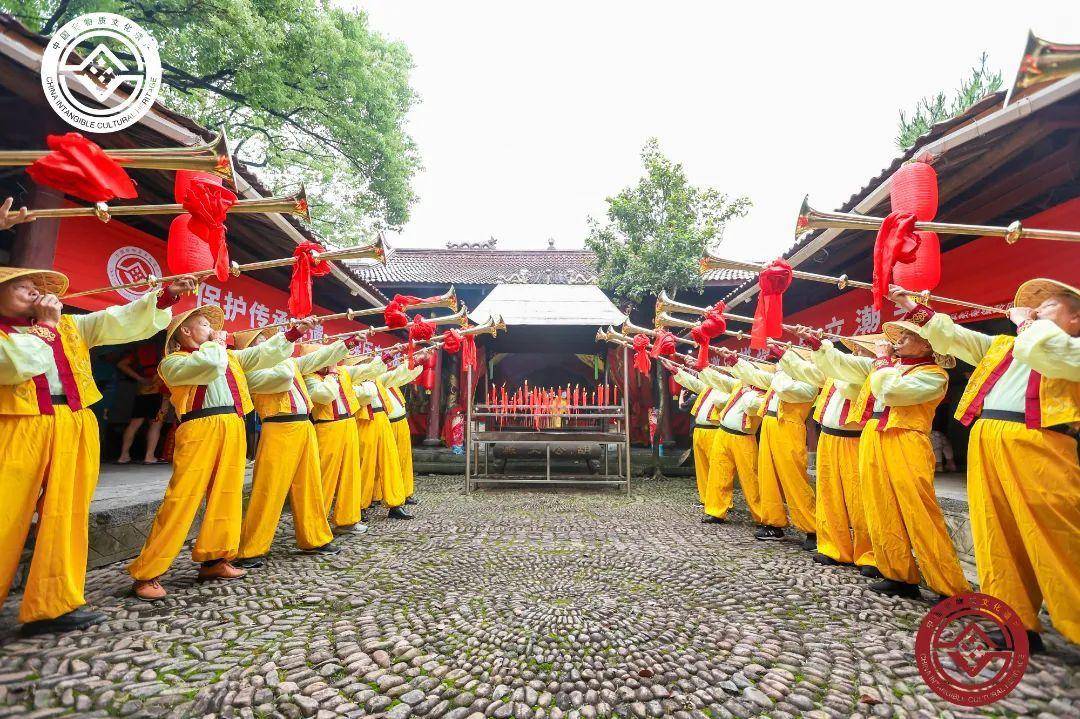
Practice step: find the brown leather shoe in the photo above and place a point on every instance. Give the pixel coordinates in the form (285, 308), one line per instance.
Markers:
(220, 570)
(149, 590)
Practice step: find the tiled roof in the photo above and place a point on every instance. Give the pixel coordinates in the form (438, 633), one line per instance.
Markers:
(491, 267)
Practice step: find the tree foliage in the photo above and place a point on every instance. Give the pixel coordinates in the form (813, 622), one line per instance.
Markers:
(658, 229)
(932, 110)
(307, 89)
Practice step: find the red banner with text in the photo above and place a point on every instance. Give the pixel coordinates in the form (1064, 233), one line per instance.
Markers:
(93, 254)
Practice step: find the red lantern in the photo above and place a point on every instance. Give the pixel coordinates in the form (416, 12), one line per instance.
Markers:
(925, 272)
(184, 178)
(186, 252)
(914, 189)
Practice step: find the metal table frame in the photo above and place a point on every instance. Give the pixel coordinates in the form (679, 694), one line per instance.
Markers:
(474, 439)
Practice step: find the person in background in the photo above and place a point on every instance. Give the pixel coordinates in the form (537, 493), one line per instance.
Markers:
(141, 365)
(943, 452)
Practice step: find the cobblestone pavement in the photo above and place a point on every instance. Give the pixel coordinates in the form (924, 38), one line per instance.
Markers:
(509, 604)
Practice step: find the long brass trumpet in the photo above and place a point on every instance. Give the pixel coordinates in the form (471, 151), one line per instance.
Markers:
(710, 262)
(492, 326)
(1044, 61)
(212, 157)
(376, 251)
(810, 219)
(295, 204)
(664, 305)
(665, 320)
(458, 317)
(447, 300)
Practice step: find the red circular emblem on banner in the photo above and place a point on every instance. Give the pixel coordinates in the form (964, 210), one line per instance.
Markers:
(971, 649)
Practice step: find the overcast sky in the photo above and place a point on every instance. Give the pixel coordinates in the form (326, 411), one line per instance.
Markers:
(531, 114)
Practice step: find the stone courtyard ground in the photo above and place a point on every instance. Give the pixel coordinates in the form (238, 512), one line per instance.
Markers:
(509, 603)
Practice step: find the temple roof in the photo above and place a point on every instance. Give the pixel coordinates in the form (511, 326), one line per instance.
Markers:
(546, 304)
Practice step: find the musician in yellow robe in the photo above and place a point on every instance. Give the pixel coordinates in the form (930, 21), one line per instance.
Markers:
(208, 387)
(842, 534)
(735, 450)
(49, 447)
(1023, 475)
(334, 406)
(379, 462)
(706, 414)
(394, 380)
(908, 381)
(287, 461)
(782, 455)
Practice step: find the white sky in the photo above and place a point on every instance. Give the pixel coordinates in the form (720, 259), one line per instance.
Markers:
(531, 114)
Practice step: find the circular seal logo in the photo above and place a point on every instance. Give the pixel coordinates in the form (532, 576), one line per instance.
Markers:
(89, 60)
(971, 649)
(131, 264)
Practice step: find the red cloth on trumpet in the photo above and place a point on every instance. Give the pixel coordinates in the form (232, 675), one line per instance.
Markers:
(420, 329)
(80, 168)
(208, 203)
(896, 242)
(663, 344)
(394, 314)
(775, 352)
(769, 315)
(713, 325)
(466, 344)
(642, 362)
(305, 268)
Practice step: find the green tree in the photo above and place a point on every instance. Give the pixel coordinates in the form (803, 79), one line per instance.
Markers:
(657, 230)
(932, 110)
(306, 88)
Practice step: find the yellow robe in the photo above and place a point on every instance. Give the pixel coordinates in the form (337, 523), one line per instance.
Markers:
(782, 455)
(49, 462)
(287, 461)
(379, 460)
(1023, 483)
(734, 451)
(339, 443)
(210, 455)
(842, 534)
(706, 414)
(394, 380)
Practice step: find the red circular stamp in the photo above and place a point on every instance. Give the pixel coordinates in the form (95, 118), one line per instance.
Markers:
(971, 649)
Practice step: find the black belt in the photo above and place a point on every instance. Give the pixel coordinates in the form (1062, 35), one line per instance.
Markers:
(877, 415)
(207, 412)
(58, 399)
(771, 413)
(704, 426)
(378, 409)
(1019, 417)
(398, 419)
(288, 418)
(841, 432)
(729, 430)
(324, 421)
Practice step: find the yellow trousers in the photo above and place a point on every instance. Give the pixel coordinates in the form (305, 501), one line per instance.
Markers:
(379, 462)
(208, 463)
(782, 475)
(904, 517)
(703, 442)
(403, 442)
(731, 455)
(841, 520)
(1024, 495)
(339, 458)
(59, 454)
(286, 463)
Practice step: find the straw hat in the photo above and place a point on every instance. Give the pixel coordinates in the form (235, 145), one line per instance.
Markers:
(212, 313)
(307, 348)
(1034, 292)
(866, 342)
(244, 338)
(913, 322)
(47, 281)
